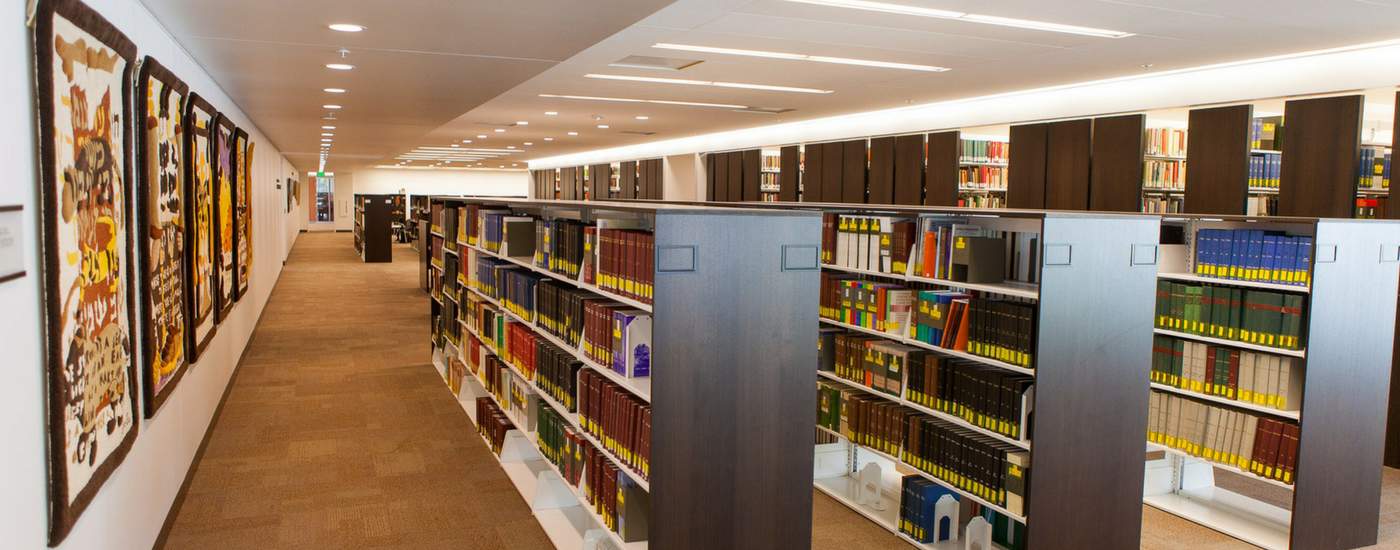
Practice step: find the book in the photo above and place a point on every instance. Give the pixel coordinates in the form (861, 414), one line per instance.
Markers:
(1266, 447)
(618, 419)
(1264, 317)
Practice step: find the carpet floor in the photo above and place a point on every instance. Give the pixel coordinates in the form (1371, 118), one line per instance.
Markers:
(338, 433)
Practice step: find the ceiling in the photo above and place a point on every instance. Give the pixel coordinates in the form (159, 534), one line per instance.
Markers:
(430, 76)
(418, 65)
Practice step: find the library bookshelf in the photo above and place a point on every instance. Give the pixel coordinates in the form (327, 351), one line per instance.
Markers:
(728, 405)
(1336, 404)
(374, 227)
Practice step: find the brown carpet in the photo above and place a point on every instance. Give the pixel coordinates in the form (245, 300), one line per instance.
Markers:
(338, 433)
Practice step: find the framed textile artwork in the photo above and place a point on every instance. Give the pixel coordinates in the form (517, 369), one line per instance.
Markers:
(199, 223)
(224, 259)
(82, 77)
(244, 213)
(160, 236)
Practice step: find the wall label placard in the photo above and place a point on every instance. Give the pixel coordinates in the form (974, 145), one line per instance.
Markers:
(11, 242)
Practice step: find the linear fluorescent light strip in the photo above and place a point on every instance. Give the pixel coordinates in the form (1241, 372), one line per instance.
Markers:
(969, 17)
(659, 80)
(652, 101)
(800, 57)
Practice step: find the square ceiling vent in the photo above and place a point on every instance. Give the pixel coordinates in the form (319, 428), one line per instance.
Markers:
(654, 63)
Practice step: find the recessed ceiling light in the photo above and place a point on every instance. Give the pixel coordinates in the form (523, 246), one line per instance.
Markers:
(573, 133)
(529, 143)
(688, 82)
(602, 126)
(455, 145)
(331, 107)
(522, 123)
(514, 164)
(654, 101)
(642, 117)
(800, 57)
(549, 139)
(326, 140)
(481, 136)
(551, 113)
(328, 127)
(500, 130)
(327, 134)
(902, 9)
(334, 90)
(466, 141)
(510, 147)
(339, 66)
(346, 27)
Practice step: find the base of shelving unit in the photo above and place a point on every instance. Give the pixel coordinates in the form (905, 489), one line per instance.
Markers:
(1229, 513)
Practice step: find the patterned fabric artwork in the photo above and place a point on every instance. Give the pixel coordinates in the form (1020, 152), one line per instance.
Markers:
(82, 72)
(199, 221)
(224, 174)
(245, 211)
(161, 239)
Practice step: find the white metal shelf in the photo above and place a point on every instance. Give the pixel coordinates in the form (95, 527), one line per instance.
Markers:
(842, 489)
(1008, 288)
(916, 343)
(951, 419)
(1227, 467)
(1288, 415)
(1193, 278)
(1227, 513)
(1231, 343)
(945, 484)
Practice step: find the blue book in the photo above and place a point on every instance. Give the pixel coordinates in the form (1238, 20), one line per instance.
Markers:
(1239, 250)
(1304, 260)
(1270, 266)
(1255, 262)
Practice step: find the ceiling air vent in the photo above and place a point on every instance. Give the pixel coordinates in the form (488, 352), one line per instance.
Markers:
(654, 63)
(637, 133)
(764, 110)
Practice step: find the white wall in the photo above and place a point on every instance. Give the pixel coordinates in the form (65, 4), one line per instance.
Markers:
(492, 183)
(129, 510)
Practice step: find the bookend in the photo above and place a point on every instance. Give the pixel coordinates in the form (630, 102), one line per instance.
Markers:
(868, 487)
(979, 534)
(551, 492)
(596, 539)
(517, 448)
(946, 519)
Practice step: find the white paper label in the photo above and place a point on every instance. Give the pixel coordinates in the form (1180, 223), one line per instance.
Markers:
(11, 243)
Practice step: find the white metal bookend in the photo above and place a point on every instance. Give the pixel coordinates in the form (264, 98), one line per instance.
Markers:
(946, 519)
(868, 486)
(979, 534)
(517, 448)
(551, 492)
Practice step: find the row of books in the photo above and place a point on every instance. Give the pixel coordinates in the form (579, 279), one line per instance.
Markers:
(619, 501)
(516, 290)
(557, 374)
(520, 348)
(982, 201)
(883, 307)
(987, 397)
(1164, 142)
(1263, 379)
(560, 246)
(1374, 169)
(492, 423)
(619, 420)
(872, 243)
(867, 360)
(618, 337)
(1004, 330)
(929, 247)
(1163, 174)
(1254, 255)
(772, 162)
(1372, 208)
(466, 222)
(920, 518)
(559, 310)
(625, 263)
(1266, 133)
(1263, 317)
(1265, 170)
(1265, 447)
(506, 234)
(982, 177)
(1163, 204)
(982, 150)
(979, 465)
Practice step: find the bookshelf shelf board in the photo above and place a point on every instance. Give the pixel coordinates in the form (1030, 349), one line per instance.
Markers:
(1373, 192)
(1288, 415)
(640, 387)
(771, 170)
(925, 345)
(830, 432)
(1188, 277)
(1226, 513)
(435, 234)
(877, 452)
(436, 298)
(1165, 157)
(525, 263)
(981, 189)
(949, 486)
(1265, 152)
(1007, 288)
(446, 250)
(981, 163)
(1164, 190)
(951, 419)
(1264, 190)
(842, 489)
(1231, 343)
(1232, 469)
(597, 520)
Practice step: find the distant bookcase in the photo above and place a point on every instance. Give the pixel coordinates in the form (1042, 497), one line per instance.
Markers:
(1014, 391)
(723, 459)
(1271, 369)
(374, 219)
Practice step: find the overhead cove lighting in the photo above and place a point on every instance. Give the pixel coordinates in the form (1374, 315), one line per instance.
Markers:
(800, 57)
(346, 27)
(653, 101)
(902, 9)
(659, 80)
(339, 66)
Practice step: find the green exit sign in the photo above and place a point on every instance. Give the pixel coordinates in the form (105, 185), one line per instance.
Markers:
(320, 174)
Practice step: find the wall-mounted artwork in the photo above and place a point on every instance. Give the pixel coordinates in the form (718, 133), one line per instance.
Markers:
(224, 257)
(244, 211)
(82, 74)
(199, 222)
(160, 215)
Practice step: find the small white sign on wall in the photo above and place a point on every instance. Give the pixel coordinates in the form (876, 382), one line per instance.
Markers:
(11, 242)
